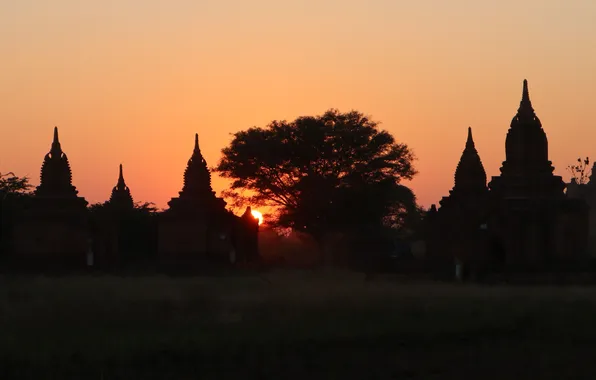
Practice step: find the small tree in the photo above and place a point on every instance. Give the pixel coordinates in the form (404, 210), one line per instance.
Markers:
(140, 208)
(580, 171)
(148, 208)
(10, 184)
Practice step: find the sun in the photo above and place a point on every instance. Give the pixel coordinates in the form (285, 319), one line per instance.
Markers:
(257, 215)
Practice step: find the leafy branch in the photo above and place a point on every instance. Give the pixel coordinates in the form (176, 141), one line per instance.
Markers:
(579, 172)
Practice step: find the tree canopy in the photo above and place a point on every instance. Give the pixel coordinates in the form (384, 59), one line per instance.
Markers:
(10, 184)
(580, 172)
(333, 172)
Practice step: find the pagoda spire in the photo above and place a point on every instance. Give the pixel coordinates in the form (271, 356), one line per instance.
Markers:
(197, 178)
(470, 174)
(525, 105)
(121, 196)
(56, 148)
(470, 140)
(526, 94)
(121, 182)
(56, 176)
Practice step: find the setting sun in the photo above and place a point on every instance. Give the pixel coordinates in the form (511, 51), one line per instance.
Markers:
(257, 215)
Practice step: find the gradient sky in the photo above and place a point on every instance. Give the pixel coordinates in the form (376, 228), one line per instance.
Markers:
(131, 81)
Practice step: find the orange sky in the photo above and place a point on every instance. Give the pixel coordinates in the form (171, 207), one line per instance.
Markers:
(131, 81)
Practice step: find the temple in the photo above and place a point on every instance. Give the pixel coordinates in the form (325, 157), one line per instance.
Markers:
(197, 226)
(537, 224)
(523, 220)
(117, 232)
(456, 225)
(53, 227)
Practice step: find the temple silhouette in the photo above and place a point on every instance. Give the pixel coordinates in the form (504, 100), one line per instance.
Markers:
(55, 229)
(197, 224)
(522, 220)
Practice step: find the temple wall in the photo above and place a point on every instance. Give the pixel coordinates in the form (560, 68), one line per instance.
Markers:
(247, 241)
(543, 236)
(574, 235)
(592, 225)
(106, 247)
(587, 193)
(220, 244)
(182, 238)
(53, 241)
(592, 230)
(534, 235)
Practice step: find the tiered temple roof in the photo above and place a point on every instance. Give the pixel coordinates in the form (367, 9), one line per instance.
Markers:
(526, 145)
(56, 177)
(527, 171)
(470, 175)
(121, 197)
(197, 177)
(197, 191)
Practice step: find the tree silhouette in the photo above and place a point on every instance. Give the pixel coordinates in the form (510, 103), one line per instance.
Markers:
(136, 227)
(579, 172)
(11, 184)
(14, 193)
(333, 172)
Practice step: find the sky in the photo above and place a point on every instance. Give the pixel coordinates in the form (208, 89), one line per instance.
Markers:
(132, 81)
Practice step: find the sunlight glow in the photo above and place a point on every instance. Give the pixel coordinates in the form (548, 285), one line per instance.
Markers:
(257, 215)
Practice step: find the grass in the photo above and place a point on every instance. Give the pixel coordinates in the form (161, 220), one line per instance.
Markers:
(290, 325)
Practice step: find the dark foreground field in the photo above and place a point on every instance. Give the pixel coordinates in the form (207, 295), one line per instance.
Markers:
(291, 326)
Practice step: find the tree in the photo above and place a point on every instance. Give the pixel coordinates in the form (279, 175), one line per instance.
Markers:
(14, 192)
(142, 209)
(333, 172)
(147, 208)
(579, 172)
(136, 227)
(10, 184)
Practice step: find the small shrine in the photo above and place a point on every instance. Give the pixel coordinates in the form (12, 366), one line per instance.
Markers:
(115, 228)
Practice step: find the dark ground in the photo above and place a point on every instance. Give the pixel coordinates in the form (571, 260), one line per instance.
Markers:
(299, 325)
